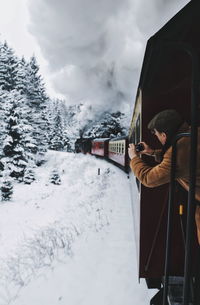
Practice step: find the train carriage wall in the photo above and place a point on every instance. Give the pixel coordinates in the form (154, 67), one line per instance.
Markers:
(100, 147)
(165, 83)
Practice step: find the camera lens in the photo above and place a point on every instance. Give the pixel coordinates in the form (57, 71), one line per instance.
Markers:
(139, 147)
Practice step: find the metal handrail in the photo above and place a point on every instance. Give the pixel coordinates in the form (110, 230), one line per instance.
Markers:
(192, 185)
(170, 215)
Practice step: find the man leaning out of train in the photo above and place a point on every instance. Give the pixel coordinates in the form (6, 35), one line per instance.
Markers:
(165, 125)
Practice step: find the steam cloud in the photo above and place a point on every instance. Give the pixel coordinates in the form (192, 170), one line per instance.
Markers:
(95, 47)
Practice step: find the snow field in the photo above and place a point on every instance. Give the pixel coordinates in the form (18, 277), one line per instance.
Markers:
(71, 243)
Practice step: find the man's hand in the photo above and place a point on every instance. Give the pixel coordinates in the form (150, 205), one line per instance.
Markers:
(147, 150)
(132, 151)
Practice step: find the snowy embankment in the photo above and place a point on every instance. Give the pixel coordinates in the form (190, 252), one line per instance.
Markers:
(71, 243)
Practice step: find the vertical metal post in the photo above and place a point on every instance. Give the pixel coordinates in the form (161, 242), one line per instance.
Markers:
(192, 185)
(170, 217)
(169, 225)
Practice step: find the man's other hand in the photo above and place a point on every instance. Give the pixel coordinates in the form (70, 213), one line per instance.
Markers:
(132, 151)
(147, 149)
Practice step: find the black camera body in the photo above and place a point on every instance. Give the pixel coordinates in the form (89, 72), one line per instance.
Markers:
(139, 147)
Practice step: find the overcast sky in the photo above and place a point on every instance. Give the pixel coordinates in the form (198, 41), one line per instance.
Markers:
(88, 50)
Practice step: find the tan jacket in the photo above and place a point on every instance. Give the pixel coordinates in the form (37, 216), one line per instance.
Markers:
(160, 174)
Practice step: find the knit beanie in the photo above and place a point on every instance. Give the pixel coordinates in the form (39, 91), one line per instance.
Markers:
(167, 121)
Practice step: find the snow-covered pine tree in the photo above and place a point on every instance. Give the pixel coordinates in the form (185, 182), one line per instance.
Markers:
(14, 156)
(6, 190)
(3, 67)
(29, 176)
(55, 177)
(31, 105)
(8, 67)
(7, 101)
(67, 144)
(58, 139)
(27, 140)
(35, 89)
(21, 76)
(12, 69)
(6, 187)
(44, 129)
(109, 125)
(3, 97)
(37, 101)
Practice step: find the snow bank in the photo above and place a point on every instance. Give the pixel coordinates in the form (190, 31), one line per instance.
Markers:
(74, 240)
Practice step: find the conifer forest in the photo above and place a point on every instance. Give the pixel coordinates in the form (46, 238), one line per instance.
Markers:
(31, 122)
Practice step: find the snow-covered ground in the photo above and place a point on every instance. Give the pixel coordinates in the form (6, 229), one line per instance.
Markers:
(71, 243)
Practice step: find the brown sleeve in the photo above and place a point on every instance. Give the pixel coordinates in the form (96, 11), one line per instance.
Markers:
(158, 155)
(152, 176)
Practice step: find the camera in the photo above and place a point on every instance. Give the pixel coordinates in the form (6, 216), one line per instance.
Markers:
(139, 147)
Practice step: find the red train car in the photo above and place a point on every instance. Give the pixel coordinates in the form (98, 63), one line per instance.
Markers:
(118, 151)
(100, 147)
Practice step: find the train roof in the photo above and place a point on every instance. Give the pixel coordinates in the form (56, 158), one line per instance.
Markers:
(101, 139)
(83, 139)
(119, 138)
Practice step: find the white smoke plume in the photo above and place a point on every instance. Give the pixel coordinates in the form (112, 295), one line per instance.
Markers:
(95, 47)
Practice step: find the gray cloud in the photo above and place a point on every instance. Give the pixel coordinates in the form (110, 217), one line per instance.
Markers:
(95, 48)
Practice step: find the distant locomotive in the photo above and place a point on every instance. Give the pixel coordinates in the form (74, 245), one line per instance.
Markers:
(83, 145)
